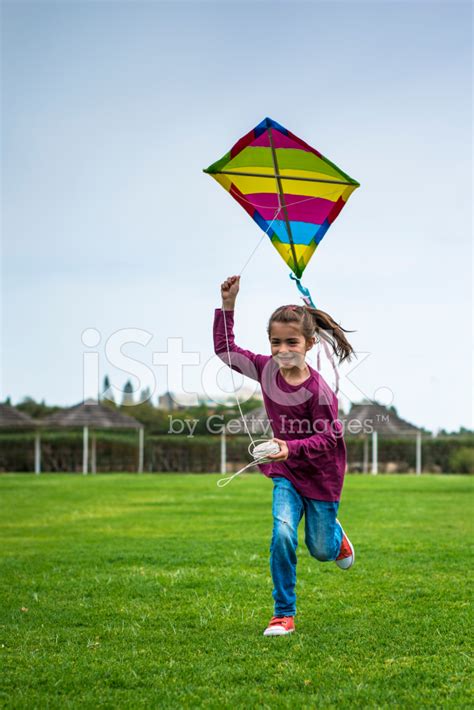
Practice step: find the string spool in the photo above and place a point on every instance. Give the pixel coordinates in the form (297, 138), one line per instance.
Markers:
(260, 449)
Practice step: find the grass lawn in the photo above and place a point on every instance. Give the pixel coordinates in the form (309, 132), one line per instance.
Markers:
(153, 591)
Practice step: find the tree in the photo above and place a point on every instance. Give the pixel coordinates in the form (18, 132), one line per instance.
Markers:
(107, 392)
(37, 410)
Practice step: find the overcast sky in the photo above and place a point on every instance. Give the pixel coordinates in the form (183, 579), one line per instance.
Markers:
(109, 113)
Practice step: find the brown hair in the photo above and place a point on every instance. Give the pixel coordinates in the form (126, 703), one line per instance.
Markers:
(315, 322)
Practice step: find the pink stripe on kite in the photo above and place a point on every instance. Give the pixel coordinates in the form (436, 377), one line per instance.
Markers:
(299, 208)
(279, 141)
(304, 145)
(242, 200)
(282, 141)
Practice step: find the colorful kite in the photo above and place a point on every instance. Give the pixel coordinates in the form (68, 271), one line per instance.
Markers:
(291, 191)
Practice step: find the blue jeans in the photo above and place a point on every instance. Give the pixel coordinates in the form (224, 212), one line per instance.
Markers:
(323, 537)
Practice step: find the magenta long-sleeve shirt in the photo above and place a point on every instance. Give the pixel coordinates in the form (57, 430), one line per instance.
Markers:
(304, 415)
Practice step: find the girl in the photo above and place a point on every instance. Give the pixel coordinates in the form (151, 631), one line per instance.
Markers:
(308, 471)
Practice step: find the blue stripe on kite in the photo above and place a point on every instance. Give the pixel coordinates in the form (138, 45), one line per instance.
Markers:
(263, 224)
(322, 231)
(302, 232)
(277, 126)
(269, 123)
(261, 128)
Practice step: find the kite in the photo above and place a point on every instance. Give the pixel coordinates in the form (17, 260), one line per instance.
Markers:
(292, 192)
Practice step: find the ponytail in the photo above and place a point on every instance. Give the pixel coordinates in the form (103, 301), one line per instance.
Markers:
(333, 333)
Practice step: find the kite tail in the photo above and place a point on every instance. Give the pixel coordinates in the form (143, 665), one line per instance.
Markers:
(306, 296)
(330, 357)
(334, 366)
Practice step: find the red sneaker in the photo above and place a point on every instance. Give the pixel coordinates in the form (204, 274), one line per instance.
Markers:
(280, 625)
(346, 557)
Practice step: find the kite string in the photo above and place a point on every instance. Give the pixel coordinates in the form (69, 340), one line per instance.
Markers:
(260, 241)
(251, 447)
(227, 335)
(232, 375)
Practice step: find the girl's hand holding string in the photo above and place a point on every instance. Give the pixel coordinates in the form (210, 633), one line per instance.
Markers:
(229, 290)
(283, 454)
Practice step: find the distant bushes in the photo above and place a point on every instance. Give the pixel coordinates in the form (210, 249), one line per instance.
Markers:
(462, 460)
(62, 451)
(118, 451)
(439, 455)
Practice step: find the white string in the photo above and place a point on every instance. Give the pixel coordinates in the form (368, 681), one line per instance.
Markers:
(260, 241)
(227, 336)
(289, 204)
(259, 459)
(254, 442)
(232, 376)
(224, 481)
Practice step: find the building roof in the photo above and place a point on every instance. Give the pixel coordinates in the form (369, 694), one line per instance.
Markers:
(93, 414)
(13, 418)
(365, 417)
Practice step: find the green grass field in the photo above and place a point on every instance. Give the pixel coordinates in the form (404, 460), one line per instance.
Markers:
(153, 591)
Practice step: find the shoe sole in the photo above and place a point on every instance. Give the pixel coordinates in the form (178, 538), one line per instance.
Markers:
(352, 550)
(277, 632)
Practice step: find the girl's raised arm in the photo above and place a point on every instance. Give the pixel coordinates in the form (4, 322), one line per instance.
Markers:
(244, 361)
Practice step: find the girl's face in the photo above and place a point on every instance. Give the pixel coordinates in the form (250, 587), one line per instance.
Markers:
(288, 345)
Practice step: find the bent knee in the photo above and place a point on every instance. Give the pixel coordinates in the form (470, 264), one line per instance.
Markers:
(322, 553)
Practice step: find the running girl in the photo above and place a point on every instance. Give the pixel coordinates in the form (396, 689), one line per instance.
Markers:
(308, 472)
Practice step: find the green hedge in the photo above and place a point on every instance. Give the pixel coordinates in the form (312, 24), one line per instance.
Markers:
(462, 460)
(118, 451)
(438, 454)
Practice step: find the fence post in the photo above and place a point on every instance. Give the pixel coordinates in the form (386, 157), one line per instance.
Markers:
(141, 441)
(37, 453)
(418, 453)
(365, 462)
(85, 450)
(375, 462)
(223, 452)
(93, 453)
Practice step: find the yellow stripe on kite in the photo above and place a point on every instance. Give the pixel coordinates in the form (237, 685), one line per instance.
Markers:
(303, 254)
